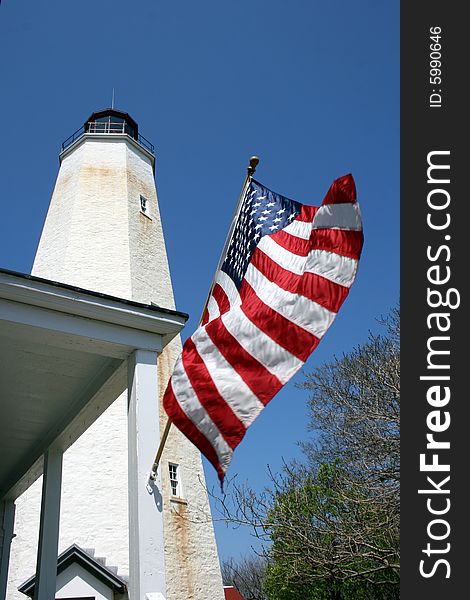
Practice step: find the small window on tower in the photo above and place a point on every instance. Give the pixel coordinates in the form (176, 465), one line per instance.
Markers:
(174, 480)
(145, 206)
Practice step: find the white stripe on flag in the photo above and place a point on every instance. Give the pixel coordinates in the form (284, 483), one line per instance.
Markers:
(338, 216)
(338, 269)
(226, 283)
(212, 309)
(299, 310)
(301, 229)
(228, 382)
(197, 414)
(282, 256)
(276, 359)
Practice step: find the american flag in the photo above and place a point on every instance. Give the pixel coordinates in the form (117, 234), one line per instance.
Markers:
(286, 272)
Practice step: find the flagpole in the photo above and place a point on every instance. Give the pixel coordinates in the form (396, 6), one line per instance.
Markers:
(254, 160)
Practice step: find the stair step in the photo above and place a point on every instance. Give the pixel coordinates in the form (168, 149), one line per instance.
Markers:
(113, 569)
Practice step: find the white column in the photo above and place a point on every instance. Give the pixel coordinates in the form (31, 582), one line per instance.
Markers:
(7, 520)
(146, 558)
(46, 569)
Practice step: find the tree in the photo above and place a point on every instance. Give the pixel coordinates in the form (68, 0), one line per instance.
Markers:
(331, 523)
(330, 539)
(246, 575)
(355, 411)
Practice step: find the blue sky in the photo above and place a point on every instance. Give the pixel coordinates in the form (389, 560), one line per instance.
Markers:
(311, 87)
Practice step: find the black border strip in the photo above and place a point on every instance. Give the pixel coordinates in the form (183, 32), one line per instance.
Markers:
(434, 124)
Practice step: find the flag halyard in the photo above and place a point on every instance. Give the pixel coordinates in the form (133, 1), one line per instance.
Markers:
(286, 272)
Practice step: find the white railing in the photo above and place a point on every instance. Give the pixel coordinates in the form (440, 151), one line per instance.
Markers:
(106, 127)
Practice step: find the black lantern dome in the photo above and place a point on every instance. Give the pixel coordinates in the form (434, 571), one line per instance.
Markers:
(111, 120)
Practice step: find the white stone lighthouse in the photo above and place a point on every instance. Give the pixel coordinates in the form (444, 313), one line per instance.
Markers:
(103, 233)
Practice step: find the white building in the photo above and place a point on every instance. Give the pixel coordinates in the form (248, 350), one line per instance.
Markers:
(103, 233)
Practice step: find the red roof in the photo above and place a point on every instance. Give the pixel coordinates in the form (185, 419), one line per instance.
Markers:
(231, 593)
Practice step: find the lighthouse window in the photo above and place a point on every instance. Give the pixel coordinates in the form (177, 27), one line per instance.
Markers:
(174, 479)
(144, 206)
(110, 124)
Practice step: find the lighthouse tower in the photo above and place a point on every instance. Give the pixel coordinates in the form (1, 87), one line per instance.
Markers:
(103, 233)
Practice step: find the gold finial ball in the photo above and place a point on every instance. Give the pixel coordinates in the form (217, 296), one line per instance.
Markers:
(254, 160)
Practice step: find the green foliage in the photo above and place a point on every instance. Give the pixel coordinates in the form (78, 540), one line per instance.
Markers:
(318, 548)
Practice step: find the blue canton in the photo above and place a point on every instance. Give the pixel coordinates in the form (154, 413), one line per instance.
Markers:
(262, 212)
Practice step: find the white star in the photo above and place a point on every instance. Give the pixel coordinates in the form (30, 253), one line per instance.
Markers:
(258, 226)
(273, 227)
(257, 236)
(292, 216)
(266, 212)
(261, 198)
(257, 204)
(271, 204)
(277, 219)
(282, 210)
(263, 218)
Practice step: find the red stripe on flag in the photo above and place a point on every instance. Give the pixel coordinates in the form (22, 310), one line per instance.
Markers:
(292, 243)
(260, 381)
(229, 425)
(314, 287)
(288, 335)
(178, 418)
(342, 241)
(307, 213)
(341, 190)
(221, 298)
(222, 302)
